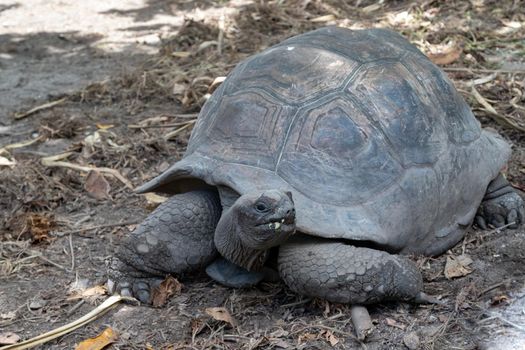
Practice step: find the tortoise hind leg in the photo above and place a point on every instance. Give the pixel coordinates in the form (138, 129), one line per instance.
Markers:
(343, 273)
(501, 206)
(176, 238)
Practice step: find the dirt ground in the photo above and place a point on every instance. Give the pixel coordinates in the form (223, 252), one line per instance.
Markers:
(119, 84)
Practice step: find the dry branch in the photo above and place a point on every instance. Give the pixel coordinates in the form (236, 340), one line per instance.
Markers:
(53, 161)
(6, 148)
(175, 132)
(65, 329)
(498, 117)
(40, 108)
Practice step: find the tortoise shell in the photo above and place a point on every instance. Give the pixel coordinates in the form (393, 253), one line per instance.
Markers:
(370, 136)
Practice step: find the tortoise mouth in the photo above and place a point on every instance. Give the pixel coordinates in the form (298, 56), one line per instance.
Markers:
(279, 222)
(273, 232)
(277, 227)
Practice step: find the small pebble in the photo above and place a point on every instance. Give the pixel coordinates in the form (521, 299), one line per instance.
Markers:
(411, 340)
(37, 304)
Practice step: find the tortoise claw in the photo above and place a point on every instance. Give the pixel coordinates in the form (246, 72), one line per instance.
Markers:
(480, 222)
(505, 209)
(127, 282)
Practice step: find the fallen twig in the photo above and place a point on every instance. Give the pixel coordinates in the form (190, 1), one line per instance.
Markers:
(494, 316)
(39, 108)
(177, 131)
(220, 39)
(482, 70)
(6, 148)
(75, 307)
(71, 248)
(300, 302)
(492, 287)
(482, 80)
(137, 126)
(89, 317)
(53, 161)
(91, 228)
(50, 262)
(488, 233)
(321, 326)
(499, 118)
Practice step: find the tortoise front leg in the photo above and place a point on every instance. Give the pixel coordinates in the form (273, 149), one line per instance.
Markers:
(501, 206)
(176, 238)
(342, 273)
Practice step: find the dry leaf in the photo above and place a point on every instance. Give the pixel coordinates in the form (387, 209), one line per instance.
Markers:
(8, 315)
(38, 227)
(97, 185)
(160, 295)
(9, 338)
(105, 126)
(197, 326)
(99, 342)
(221, 314)
(87, 293)
(393, 323)
(216, 82)
(306, 337)
(331, 338)
(92, 139)
(442, 318)
(178, 89)
(6, 162)
(445, 54)
(155, 198)
(457, 266)
(499, 299)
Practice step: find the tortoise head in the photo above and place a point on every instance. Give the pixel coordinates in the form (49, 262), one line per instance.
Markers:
(253, 224)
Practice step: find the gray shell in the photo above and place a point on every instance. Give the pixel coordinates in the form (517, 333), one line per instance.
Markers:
(370, 136)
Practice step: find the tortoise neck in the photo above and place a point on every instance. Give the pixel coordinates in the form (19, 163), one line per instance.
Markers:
(230, 246)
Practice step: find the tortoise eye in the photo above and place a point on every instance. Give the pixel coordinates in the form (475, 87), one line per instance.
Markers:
(261, 207)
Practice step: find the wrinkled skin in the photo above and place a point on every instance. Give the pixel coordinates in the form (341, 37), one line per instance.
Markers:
(255, 223)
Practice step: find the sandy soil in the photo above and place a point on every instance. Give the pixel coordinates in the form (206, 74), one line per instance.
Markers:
(117, 64)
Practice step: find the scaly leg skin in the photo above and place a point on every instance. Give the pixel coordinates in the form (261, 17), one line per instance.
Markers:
(176, 238)
(343, 273)
(501, 206)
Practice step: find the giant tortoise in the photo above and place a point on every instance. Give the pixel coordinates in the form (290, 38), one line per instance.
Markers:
(336, 151)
